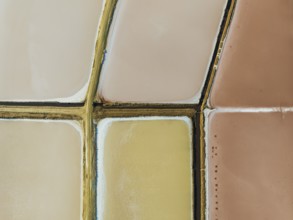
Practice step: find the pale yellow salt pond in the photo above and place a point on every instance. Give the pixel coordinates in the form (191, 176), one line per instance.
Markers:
(40, 170)
(145, 169)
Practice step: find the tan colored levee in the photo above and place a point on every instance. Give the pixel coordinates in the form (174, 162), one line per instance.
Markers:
(200, 120)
